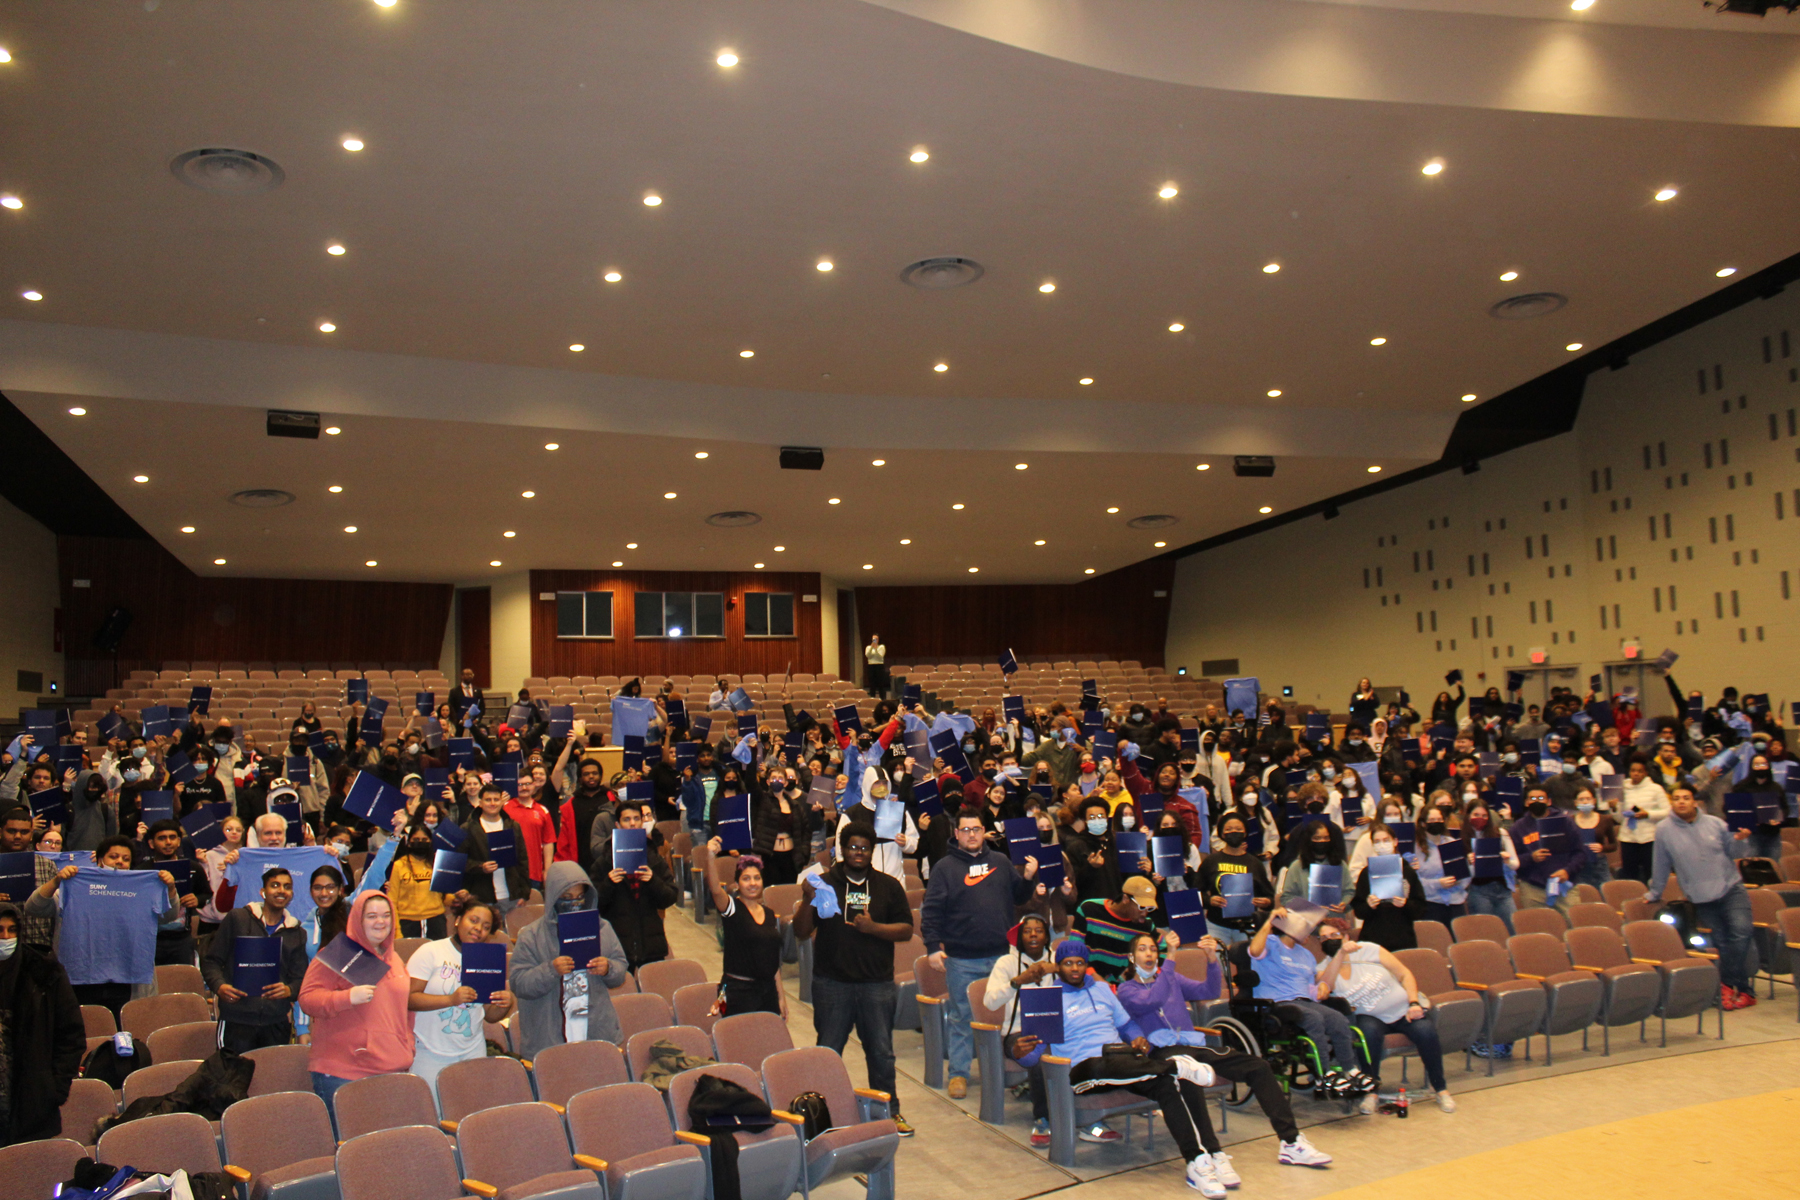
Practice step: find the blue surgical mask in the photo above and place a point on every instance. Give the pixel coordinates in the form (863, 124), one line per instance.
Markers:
(1127, 822)
(1329, 772)
(1584, 805)
(1509, 757)
(1096, 825)
(7, 948)
(131, 774)
(1568, 768)
(221, 748)
(139, 751)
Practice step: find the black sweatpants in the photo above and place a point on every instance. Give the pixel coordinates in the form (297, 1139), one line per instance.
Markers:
(1239, 1068)
(1177, 1100)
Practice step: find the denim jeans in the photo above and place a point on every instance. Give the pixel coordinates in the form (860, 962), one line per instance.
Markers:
(1326, 1026)
(1492, 897)
(1765, 842)
(869, 1009)
(325, 1087)
(1597, 873)
(960, 973)
(1422, 1033)
(1728, 918)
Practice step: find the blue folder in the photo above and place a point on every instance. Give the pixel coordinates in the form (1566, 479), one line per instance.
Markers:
(156, 806)
(1169, 857)
(484, 969)
(1186, 917)
(578, 936)
(1325, 884)
(631, 849)
(1130, 848)
(732, 816)
(447, 872)
(503, 848)
(1041, 1013)
(1385, 877)
(1240, 896)
(256, 964)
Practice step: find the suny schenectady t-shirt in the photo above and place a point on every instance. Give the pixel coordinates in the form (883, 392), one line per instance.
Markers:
(109, 925)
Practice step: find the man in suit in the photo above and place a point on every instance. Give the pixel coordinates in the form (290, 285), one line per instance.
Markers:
(465, 694)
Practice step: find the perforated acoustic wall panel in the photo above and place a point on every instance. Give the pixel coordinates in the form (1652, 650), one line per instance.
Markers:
(1668, 518)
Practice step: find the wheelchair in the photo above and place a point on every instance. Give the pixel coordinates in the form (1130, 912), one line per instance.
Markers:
(1253, 1027)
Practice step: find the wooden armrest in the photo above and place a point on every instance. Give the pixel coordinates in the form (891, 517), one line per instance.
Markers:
(1523, 975)
(447, 1126)
(591, 1163)
(1709, 955)
(1763, 924)
(1793, 945)
(1056, 1060)
(872, 1094)
(1473, 987)
(237, 1173)
(790, 1118)
(1653, 962)
(480, 1188)
(930, 999)
(560, 1110)
(526, 1062)
(692, 1138)
(1212, 1029)
(986, 1026)
(1596, 970)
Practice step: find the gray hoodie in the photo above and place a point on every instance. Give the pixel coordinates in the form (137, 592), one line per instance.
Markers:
(538, 986)
(90, 822)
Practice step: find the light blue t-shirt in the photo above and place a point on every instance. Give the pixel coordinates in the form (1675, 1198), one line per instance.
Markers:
(109, 921)
(1285, 972)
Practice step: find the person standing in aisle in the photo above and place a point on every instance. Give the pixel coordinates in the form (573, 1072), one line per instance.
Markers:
(875, 657)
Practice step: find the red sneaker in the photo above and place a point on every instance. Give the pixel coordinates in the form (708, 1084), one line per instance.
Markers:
(1746, 999)
(1728, 997)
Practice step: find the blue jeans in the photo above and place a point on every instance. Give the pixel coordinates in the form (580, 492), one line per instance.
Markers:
(1422, 1033)
(1765, 842)
(1227, 936)
(325, 1087)
(869, 1009)
(1326, 1026)
(960, 973)
(1492, 898)
(1598, 872)
(1729, 919)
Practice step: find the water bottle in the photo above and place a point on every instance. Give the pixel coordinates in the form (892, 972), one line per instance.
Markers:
(1400, 1105)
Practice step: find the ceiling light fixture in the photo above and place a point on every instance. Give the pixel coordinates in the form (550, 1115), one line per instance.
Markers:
(651, 200)
(1468, 397)
(612, 277)
(746, 354)
(906, 541)
(577, 347)
(11, 201)
(1667, 193)
(834, 500)
(218, 562)
(779, 549)
(369, 563)
(353, 144)
(32, 294)
(758, 566)
(510, 533)
(1168, 191)
(1085, 380)
(617, 563)
(668, 495)
(1039, 542)
(140, 479)
(1176, 327)
(1020, 466)
(334, 249)
(726, 59)
(956, 507)
(1089, 571)
(335, 488)
(187, 529)
(700, 454)
(868, 566)
(1374, 470)
(1724, 272)
(1434, 167)
(349, 529)
(5, 56)
(631, 545)
(1274, 392)
(1160, 545)
(880, 462)
(386, 3)
(824, 264)
(1112, 510)
(1508, 276)
(494, 562)
(1046, 287)
(1377, 341)
(333, 430)
(1202, 466)
(327, 327)
(1572, 347)
(1581, 5)
(1265, 509)
(1271, 268)
(528, 495)
(78, 412)
(919, 154)
(547, 445)
(973, 570)
(941, 368)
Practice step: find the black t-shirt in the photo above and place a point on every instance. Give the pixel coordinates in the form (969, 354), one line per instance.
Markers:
(846, 955)
(752, 950)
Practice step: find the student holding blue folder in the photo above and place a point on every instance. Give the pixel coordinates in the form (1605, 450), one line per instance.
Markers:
(1388, 922)
(447, 1013)
(1441, 858)
(1233, 859)
(502, 884)
(251, 1021)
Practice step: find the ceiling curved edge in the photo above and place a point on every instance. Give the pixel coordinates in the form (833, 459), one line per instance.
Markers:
(81, 361)
(1406, 56)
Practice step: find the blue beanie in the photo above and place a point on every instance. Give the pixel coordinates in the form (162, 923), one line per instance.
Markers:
(1072, 947)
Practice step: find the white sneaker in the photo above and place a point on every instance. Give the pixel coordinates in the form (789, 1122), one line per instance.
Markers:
(1194, 1071)
(1302, 1153)
(1100, 1132)
(1204, 1179)
(1445, 1101)
(1368, 1104)
(1223, 1169)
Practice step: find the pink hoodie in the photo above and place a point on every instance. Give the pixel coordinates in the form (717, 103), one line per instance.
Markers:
(353, 1041)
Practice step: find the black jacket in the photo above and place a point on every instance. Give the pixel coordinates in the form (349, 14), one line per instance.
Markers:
(634, 908)
(221, 957)
(48, 1040)
(460, 702)
(479, 882)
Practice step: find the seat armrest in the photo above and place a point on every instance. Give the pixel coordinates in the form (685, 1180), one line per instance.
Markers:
(929, 999)
(1212, 1030)
(872, 1094)
(1523, 975)
(691, 1138)
(448, 1126)
(989, 1027)
(560, 1110)
(1708, 955)
(237, 1173)
(590, 1162)
(1473, 987)
(526, 1063)
(1596, 970)
(790, 1118)
(1653, 962)
(1056, 1060)
(480, 1188)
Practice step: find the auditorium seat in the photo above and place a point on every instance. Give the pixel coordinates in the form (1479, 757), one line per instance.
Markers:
(573, 1067)
(627, 1127)
(748, 1038)
(1572, 997)
(769, 1161)
(863, 1138)
(281, 1147)
(1479, 927)
(477, 1083)
(693, 1041)
(280, 1069)
(1459, 1016)
(693, 1006)
(379, 1102)
(39, 1168)
(1540, 920)
(145, 1015)
(665, 977)
(165, 1143)
(193, 1039)
(520, 1150)
(1600, 914)
(407, 1163)
(1514, 1007)
(1690, 981)
(645, 1010)
(89, 1100)
(1433, 935)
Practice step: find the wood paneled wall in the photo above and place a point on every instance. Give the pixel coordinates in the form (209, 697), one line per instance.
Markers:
(177, 615)
(624, 655)
(1117, 615)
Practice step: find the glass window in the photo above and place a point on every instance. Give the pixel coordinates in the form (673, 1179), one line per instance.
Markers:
(768, 614)
(584, 614)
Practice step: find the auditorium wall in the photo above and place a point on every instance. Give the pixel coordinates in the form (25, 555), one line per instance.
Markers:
(1665, 520)
(28, 606)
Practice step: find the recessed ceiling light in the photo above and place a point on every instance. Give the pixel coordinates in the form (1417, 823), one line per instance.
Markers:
(1377, 341)
(1020, 466)
(1722, 272)
(333, 430)
(868, 566)
(510, 533)
(1374, 470)
(906, 541)
(334, 248)
(1271, 268)
(618, 564)
(1089, 571)
(369, 563)
(1468, 396)
(1572, 347)
(880, 462)
(652, 200)
(349, 529)
(32, 294)
(973, 570)
(779, 549)
(1667, 193)
(700, 454)
(957, 507)
(187, 529)
(353, 144)
(1508, 276)
(1581, 5)
(1112, 510)
(493, 562)
(1265, 509)
(834, 500)
(919, 154)
(1176, 327)
(528, 495)
(1434, 167)
(386, 3)
(1274, 392)
(5, 55)
(218, 562)
(726, 59)
(758, 566)
(941, 368)
(140, 479)
(327, 327)
(612, 277)
(1046, 287)
(577, 347)
(335, 488)
(1039, 542)
(78, 412)
(1085, 380)
(1202, 466)
(1168, 191)
(824, 264)
(11, 201)
(1160, 545)
(631, 545)
(668, 495)
(552, 446)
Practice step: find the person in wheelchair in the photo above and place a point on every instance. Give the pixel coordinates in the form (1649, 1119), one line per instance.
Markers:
(1287, 976)
(1157, 995)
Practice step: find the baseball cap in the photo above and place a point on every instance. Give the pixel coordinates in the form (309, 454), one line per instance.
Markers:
(1141, 890)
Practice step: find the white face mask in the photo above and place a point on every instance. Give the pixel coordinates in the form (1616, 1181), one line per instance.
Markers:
(1382, 846)
(1127, 822)
(7, 948)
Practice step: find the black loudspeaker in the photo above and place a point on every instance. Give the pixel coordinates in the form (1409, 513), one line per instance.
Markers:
(112, 630)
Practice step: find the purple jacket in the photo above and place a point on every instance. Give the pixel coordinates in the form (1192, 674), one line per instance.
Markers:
(1163, 1002)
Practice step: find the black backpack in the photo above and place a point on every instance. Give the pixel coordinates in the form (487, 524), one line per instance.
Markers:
(812, 1106)
(105, 1063)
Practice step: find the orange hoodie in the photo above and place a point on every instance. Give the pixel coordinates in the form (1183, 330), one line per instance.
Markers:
(353, 1041)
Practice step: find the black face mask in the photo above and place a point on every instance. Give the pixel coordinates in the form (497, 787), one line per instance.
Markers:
(1331, 946)
(1235, 838)
(1434, 828)
(419, 849)
(1315, 806)
(389, 761)
(1537, 808)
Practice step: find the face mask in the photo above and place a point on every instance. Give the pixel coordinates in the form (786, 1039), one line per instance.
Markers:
(412, 747)
(338, 848)
(1383, 846)
(420, 849)
(1096, 826)
(1088, 768)
(1146, 974)
(1235, 838)
(131, 774)
(1315, 806)
(1235, 769)
(1435, 828)
(1044, 832)
(1329, 772)
(568, 904)
(203, 767)
(1537, 808)
(7, 947)
(1760, 745)
(1252, 799)
(1331, 946)
(1584, 806)
(221, 748)
(1478, 822)
(139, 751)
(1509, 757)
(1127, 822)
(1356, 741)
(1350, 785)
(1320, 848)
(990, 775)
(968, 747)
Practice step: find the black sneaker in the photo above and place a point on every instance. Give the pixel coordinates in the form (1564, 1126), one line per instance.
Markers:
(1359, 1083)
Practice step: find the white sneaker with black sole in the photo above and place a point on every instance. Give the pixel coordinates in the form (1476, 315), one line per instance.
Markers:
(1204, 1179)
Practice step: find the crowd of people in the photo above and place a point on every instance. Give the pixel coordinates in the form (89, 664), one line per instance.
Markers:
(200, 846)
